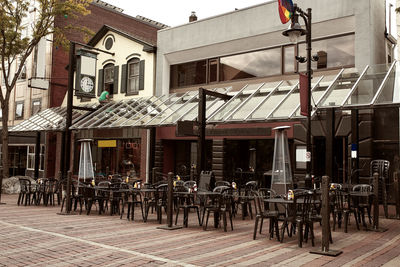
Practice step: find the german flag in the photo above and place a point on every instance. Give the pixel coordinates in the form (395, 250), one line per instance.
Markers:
(285, 10)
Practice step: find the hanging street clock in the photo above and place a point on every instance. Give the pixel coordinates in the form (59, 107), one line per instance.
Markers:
(85, 74)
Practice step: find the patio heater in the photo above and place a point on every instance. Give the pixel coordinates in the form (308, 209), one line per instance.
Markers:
(281, 177)
(85, 161)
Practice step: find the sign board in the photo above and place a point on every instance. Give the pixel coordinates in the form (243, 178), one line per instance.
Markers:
(85, 78)
(353, 151)
(36, 83)
(185, 128)
(107, 143)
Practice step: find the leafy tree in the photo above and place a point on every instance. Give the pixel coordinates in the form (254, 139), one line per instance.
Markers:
(15, 48)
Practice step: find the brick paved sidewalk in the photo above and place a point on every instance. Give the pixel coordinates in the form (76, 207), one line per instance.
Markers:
(37, 236)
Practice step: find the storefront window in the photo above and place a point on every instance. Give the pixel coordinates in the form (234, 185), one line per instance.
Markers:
(332, 53)
(188, 74)
(31, 158)
(249, 65)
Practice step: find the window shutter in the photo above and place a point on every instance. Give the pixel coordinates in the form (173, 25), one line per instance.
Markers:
(141, 75)
(116, 75)
(100, 82)
(124, 78)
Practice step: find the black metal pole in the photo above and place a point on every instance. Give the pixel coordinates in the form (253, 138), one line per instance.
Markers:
(152, 151)
(354, 176)
(170, 200)
(309, 76)
(201, 141)
(69, 120)
(330, 147)
(37, 155)
(62, 157)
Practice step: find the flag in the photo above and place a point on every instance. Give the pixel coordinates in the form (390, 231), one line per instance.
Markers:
(304, 94)
(285, 10)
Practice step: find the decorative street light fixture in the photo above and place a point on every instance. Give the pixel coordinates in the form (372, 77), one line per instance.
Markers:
(294, 32)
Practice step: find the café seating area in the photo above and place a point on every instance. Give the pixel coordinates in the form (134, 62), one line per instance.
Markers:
(294, 214)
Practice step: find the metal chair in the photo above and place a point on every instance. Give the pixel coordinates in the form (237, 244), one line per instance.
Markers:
(381, 167)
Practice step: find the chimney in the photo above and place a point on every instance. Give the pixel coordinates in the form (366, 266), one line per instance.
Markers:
(193, 17)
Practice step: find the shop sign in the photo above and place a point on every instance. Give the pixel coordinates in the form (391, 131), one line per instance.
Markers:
(107, 143)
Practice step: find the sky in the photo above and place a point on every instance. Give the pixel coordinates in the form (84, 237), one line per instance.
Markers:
(177, 12)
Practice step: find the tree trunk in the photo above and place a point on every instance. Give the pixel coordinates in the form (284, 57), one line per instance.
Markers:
(4, 139)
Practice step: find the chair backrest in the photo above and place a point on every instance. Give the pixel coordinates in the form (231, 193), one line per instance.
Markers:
(124, 185)
(362, 188)
(380, 166)
(338, 199)
(161, 194)
(220, 188)
(303, 200)
(251, 186)
(25, 185)
(51, 185)
(266, 192)
(225, 183)
(259, 201)
(189, 184)
(115, 185)
(205, 180)
(334, 186)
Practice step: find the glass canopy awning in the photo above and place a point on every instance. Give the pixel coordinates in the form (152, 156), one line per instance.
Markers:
(262, 102)
(51, 119)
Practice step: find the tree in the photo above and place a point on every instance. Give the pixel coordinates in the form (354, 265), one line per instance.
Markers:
(16, 47)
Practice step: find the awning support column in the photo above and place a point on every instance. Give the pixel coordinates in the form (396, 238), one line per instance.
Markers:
(201, 141)
(354, 175)
(37, 155)
(152, 152)
(330, 137)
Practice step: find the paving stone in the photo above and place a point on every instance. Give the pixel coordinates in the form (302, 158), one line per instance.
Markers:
(37, 236)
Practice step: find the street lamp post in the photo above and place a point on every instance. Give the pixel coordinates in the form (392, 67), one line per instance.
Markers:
(294, 32)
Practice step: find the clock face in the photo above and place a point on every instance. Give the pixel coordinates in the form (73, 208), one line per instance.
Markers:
(87, 84)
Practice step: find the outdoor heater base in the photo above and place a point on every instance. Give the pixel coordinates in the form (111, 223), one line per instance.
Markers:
(166, 227)
(332, 253)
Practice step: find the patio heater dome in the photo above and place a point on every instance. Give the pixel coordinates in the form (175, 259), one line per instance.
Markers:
(85, 161)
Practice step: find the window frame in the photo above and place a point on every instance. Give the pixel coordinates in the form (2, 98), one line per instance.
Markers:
(31, 156)
(109, 67)
(175, 73)
(129, 78)
(16, 116)
(33, 105)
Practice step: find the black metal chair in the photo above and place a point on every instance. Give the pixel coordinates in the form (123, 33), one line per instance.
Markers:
(27, 190)
(220, 206)
(381, 167)
(263, 212)
(185, 202)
